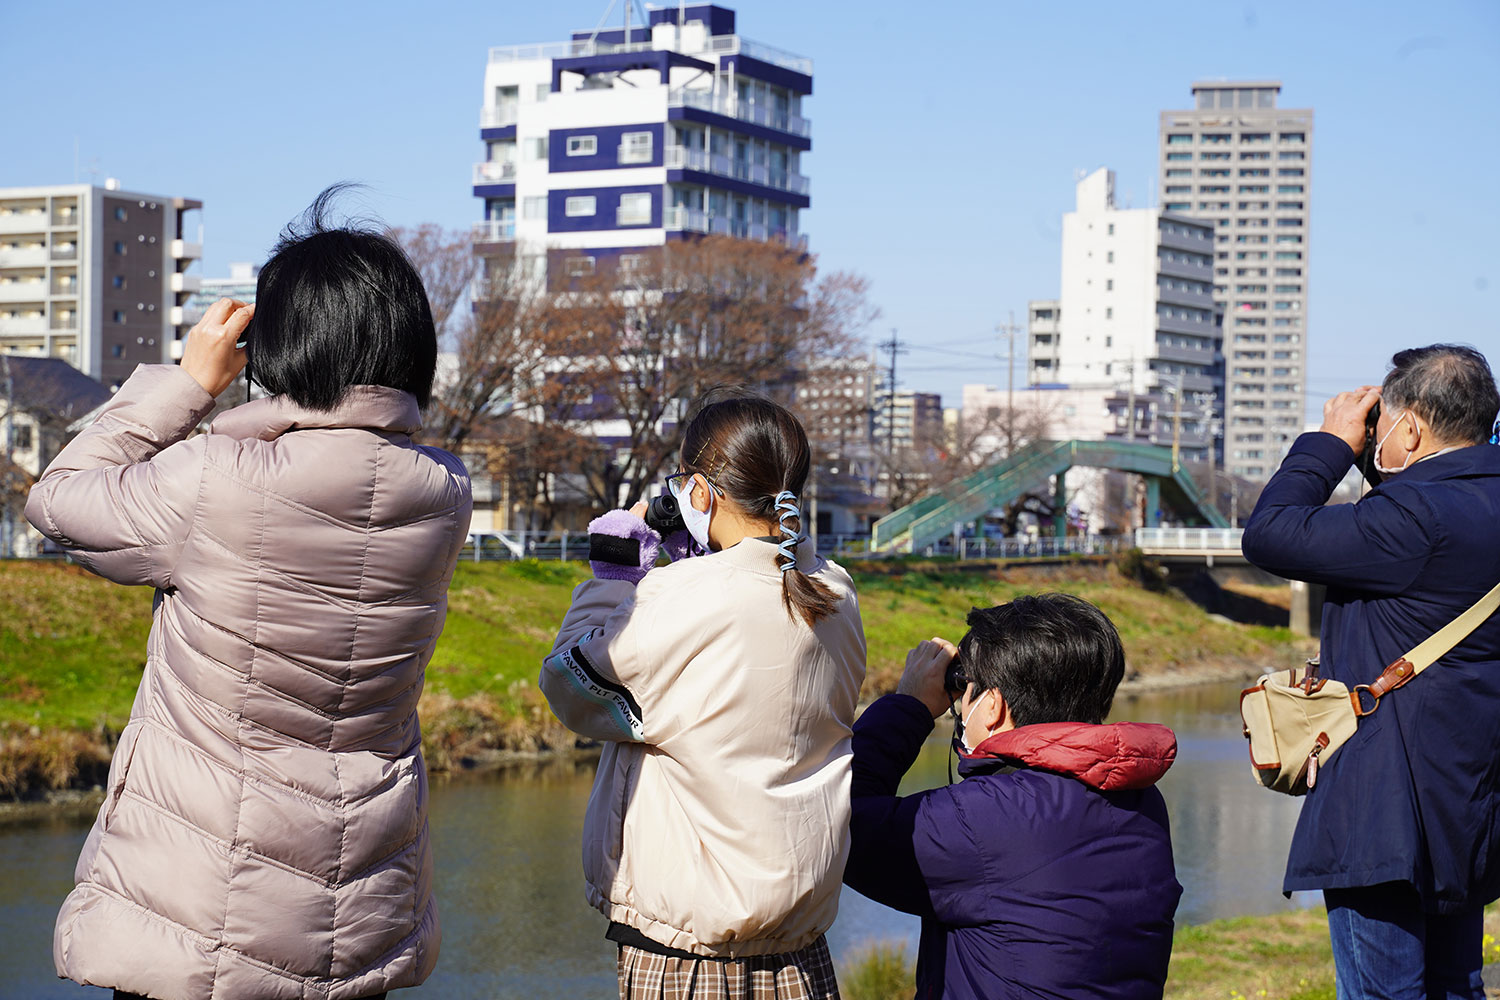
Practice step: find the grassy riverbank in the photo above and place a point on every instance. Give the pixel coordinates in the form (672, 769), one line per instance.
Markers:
(1284, 956)
(73, 646)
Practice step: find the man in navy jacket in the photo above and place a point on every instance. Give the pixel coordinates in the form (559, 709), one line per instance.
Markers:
(1402, 829)
(1047, 872)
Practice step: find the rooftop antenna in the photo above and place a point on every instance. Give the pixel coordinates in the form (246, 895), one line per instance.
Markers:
(594, 35)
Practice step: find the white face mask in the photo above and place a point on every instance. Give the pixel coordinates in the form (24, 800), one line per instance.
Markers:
(695, 519)
(1381, 443)
(964, 726)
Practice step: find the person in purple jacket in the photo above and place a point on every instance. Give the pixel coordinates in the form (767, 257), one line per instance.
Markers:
(1047, 871)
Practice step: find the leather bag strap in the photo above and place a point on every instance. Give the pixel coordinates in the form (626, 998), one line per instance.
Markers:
(1426, 653)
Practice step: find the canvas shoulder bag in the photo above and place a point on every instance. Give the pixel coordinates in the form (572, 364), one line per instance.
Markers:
(1294, 723)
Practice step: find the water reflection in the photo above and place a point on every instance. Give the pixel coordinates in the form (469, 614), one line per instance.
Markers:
(510, 885)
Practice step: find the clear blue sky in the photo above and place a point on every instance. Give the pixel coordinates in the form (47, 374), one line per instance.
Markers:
(946, 136)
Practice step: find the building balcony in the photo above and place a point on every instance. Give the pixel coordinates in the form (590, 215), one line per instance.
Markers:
(183, 250)
(1178, 297)
(23, 222)
(23, 291)
(1193, 327)
(1181, 269)
(691, 220)
(1186, 355)
(495, 231)
(29, 326)
(1178, 241)
(186, 282)
(682, 158)
(493, 172)
(731, 107)
(27, 256)
(497, 117)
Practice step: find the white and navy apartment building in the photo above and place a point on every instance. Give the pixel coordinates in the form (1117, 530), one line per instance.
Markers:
(619, 140)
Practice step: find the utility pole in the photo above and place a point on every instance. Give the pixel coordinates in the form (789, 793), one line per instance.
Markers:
(1130, 413)
(1009, 328)
(7, 527)
(894, 347)
(1177, 427)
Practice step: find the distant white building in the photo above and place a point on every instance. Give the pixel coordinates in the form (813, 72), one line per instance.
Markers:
(239, 285)
(620, 139)
(1136, 313)
(95, 276)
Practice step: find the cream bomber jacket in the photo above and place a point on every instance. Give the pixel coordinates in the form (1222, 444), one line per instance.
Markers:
(719, 820)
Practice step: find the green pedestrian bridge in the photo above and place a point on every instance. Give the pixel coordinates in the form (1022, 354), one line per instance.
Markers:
(922, 523)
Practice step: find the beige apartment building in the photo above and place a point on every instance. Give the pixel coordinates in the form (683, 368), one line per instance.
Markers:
(95, 275)
(1243, 164)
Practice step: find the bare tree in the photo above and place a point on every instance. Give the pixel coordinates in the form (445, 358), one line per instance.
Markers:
(647, 339)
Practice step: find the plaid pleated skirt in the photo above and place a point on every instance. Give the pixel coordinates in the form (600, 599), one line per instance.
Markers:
(805, 974)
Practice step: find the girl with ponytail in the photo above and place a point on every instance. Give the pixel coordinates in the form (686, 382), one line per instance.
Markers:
(723, 688)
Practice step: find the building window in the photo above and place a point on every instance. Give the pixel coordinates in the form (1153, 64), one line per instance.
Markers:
(534, 207)
(635, 147)
(635, 209)
(1109, 258)
(583, 145)
(118, 281)
(632, 263)
(1109, 284)
(1109, 313)
(579, 205)
(542, 90)
(536, 149)
(22, 437)
(119, 316)
(1179, 139)
(120, 214)
(580, 267)
(118, 350)
(1111, 230)
(120, 248)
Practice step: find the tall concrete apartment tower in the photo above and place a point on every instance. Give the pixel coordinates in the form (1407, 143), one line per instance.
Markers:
(1136, 316)
(1245, 165)
(95, 276)
(621, 139)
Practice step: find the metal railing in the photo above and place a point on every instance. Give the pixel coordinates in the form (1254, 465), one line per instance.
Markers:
(679, 218)
(731, 107)
(717, 44)
(571, 546)
(498, 117)
(1190, 539)
(493, 172)
(683, 158)
(494, 231)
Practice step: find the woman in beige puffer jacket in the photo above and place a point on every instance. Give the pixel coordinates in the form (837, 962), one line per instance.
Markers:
(264, 831)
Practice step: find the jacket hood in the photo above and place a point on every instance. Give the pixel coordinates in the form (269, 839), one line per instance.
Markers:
(1112, 757)
(376, 407)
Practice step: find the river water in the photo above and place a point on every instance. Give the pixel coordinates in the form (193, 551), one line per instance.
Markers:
(510, 886)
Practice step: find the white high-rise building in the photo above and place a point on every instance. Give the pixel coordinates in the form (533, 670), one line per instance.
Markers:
(1243, 165)
(95, 276)
(621, 139)
(1136, 313)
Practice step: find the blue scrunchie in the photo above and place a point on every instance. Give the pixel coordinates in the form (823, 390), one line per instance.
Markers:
(786, 509)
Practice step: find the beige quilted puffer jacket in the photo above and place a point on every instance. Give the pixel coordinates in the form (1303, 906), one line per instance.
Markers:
(264, 832)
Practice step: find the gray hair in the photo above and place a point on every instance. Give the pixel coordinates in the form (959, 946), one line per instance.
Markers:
(1448, 385)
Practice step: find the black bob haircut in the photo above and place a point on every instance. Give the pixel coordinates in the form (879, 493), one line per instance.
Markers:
(1053, 657)
(337, 306)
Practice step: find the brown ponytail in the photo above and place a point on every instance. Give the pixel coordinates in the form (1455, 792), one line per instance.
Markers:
(755, 450)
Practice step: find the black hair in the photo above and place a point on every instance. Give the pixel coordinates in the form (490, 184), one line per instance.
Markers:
(337, 306)
(1448, 385)
(753, 449)
(1053, 657)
